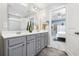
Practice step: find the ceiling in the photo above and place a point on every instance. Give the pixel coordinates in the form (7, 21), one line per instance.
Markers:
(48, 5)
(28, 9)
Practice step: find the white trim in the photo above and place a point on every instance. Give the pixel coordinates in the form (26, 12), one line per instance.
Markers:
(66, 49)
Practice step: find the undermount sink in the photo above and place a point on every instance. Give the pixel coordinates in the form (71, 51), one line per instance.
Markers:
(18, 32)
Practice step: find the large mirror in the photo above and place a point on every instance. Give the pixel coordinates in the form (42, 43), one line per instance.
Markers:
(18, 16)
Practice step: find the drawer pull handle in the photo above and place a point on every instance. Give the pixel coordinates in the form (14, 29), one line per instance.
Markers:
(23, 44)
(77, 33)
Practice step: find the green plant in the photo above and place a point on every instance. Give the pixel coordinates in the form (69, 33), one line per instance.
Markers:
(29, 27)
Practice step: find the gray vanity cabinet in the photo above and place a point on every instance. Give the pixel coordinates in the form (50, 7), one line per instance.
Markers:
(17, 50)
(38, 44)
(46, 39)
(30, 49)
(30, 45)
(42, 40)
(15, 46)
(35, 43)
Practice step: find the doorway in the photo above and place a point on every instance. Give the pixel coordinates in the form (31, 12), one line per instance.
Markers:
(58, 28)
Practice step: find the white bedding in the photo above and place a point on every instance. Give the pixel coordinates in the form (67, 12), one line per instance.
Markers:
(61, 34)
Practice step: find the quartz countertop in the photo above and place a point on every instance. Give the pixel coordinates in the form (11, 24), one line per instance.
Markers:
(11, 34)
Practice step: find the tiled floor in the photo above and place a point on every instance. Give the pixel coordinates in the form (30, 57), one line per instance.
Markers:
(52, 52)
(59, 45)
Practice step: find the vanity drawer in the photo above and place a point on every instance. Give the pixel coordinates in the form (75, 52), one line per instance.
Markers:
(38, 35)
(42, 34)
(30, 37)
(15, 41)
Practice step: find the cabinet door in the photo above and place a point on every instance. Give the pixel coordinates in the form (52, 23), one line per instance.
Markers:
(31, 48)
(38, 44)
(18, 50)
(42, 42)
(46, 39)
(17, 40)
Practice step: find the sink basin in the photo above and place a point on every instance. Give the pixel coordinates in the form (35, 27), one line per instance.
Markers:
(18, 32)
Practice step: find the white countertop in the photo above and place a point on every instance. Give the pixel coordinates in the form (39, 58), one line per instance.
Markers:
(10, 34)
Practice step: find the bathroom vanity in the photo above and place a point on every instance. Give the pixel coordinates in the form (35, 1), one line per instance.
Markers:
(24, 44)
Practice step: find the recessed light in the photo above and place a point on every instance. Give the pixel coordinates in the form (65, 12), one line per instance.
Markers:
(35, 8)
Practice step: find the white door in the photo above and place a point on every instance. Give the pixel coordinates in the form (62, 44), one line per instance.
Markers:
(72, 27)
(18, 50)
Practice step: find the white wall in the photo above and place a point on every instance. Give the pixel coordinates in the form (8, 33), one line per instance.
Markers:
(0, 19)
(3, 16)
